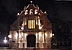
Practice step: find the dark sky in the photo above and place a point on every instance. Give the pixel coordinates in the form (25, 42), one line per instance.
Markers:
(9, 8)
(63, 0)
(64, 11)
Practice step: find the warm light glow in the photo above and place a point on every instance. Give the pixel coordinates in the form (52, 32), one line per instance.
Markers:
(39, 24)
(22, 34)
(46, 37)
(25, 23)
(31, 24)
(40, 34)
(16, 35)
(5, 40)
(36, 12)
(43, 37)
(10, 36)
(22, 28)
(40, 27)
(31, 1)
(46, 34)
(45, 12)
(18, 14)
(36, 35)
(38, 17)
(26, 12)
(50, 34)
(40, 37)
(25, 35)
(31, 11)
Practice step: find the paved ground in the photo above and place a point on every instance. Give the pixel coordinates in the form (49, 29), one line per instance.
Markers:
(4, 48)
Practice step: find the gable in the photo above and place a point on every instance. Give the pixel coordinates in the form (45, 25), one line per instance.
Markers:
(31, 12)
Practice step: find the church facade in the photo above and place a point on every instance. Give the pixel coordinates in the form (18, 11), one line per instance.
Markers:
(31, 29)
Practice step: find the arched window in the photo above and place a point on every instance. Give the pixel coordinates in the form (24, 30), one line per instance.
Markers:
(31, 24)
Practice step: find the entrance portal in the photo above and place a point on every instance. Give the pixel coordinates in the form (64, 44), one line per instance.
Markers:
(31, 41)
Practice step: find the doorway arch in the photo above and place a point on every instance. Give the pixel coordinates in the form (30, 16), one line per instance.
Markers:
(31, 40)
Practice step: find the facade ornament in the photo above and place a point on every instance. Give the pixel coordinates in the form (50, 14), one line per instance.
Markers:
(31, 2)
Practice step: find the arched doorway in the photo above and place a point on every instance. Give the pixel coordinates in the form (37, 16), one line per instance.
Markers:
(31, 41)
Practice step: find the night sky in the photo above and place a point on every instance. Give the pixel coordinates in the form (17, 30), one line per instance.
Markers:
(57, 11)
(9, 9)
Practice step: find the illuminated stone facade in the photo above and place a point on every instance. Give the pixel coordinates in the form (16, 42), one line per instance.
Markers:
(31, 29)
